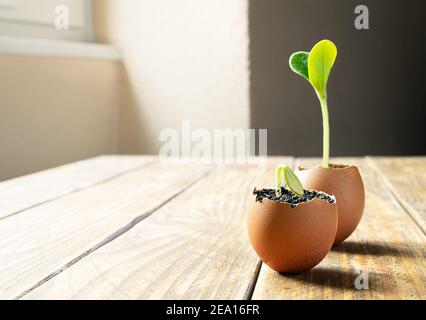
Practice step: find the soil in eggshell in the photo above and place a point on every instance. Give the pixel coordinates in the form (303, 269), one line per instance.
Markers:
(290, 197)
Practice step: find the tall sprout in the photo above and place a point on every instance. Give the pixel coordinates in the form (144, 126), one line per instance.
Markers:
(315, 66)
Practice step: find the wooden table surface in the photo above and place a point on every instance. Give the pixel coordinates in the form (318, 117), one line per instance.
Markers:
(128, 227)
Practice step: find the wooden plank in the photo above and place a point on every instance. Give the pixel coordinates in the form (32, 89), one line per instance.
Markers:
(406, 178)
(387, 244)
(39, 242)
(195, 247)
(28, 191)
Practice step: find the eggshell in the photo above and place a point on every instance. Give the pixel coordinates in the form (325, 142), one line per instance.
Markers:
(292, 240)
(345, 183)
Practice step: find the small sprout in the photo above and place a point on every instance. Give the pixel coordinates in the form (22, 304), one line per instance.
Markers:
(291, 180)
(315, 66)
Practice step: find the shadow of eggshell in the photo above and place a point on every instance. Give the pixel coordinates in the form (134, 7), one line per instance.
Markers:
(292, 240)
(345, 183)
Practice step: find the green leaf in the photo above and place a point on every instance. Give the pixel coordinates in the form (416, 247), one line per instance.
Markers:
(299, 63)
(293, 182)
(320, 61)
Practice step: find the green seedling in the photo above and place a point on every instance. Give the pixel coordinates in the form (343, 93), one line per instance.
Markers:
(315, 66)
(290, 179)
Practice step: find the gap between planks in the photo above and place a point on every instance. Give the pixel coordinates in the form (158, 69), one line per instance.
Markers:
(116, 234)
(78, 189)
(250, 289)
(393, 192)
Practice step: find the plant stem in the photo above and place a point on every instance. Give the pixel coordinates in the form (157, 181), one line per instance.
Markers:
(278, 181)
(326, 131)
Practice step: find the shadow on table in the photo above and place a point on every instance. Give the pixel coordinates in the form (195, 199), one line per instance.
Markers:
(375, 249)
(333, 278)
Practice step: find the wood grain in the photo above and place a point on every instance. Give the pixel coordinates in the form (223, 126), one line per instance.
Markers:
(406, 178)
(28, 191)
(195, 247)
(179, 233)
(37, 243)
(387, 244)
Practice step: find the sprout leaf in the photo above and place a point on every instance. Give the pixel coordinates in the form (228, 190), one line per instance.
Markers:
(299, 63)
(291, 180)
(320, 61)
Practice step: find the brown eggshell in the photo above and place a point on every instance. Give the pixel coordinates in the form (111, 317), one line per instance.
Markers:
(292, 240)
(345, 183)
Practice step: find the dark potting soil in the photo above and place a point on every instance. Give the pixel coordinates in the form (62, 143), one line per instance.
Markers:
(290, 197)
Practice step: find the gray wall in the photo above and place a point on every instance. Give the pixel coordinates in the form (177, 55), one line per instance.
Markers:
(376, 89)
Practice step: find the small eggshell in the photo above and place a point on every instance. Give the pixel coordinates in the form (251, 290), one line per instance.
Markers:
(345, 183)
(292, 240)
